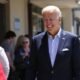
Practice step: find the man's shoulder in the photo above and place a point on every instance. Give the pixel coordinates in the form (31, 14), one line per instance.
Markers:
(37, 39)
(69, 34)
(5, 43)
(38, 36)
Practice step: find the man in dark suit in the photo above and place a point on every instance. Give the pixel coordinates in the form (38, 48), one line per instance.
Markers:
(55, 54)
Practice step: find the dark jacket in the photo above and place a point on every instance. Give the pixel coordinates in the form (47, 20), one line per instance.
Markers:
(67, 63)
(19, 61)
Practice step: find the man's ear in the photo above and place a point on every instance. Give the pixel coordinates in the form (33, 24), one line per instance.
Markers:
(60, 18)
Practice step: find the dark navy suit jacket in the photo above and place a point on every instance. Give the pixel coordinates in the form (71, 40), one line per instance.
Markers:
(67, 63)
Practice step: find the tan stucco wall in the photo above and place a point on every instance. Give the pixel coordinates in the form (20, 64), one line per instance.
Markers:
(67, 19)
(18, 9)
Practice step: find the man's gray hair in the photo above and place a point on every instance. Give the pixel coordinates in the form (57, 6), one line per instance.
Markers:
(52, 9)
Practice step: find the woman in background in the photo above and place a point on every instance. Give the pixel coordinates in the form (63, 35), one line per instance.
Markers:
(22, 57)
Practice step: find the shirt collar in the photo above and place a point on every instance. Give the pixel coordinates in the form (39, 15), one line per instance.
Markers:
(59, 32)
(57, 35)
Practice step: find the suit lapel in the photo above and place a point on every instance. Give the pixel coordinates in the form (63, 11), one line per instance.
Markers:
(61, 41)
(46, 49)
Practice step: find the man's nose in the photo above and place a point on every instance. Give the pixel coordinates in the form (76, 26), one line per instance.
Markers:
(48, 22)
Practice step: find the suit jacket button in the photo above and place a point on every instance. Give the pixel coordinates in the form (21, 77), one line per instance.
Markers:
(52, 72)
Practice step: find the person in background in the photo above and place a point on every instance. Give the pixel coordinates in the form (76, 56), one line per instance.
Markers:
(4, 65)
(17, 46)
(55, 53)
(19, 42)
(22, 57)
(8, 45)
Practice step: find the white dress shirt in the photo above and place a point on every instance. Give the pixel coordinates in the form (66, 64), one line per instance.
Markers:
(4, 61)
(53, 46)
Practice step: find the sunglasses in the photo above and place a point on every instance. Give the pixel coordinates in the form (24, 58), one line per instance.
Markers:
(24, 42)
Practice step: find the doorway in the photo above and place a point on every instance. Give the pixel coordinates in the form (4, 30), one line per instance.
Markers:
(2, 21)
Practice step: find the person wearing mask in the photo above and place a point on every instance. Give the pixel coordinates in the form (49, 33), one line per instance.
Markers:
(21, 60)
(55, 53)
